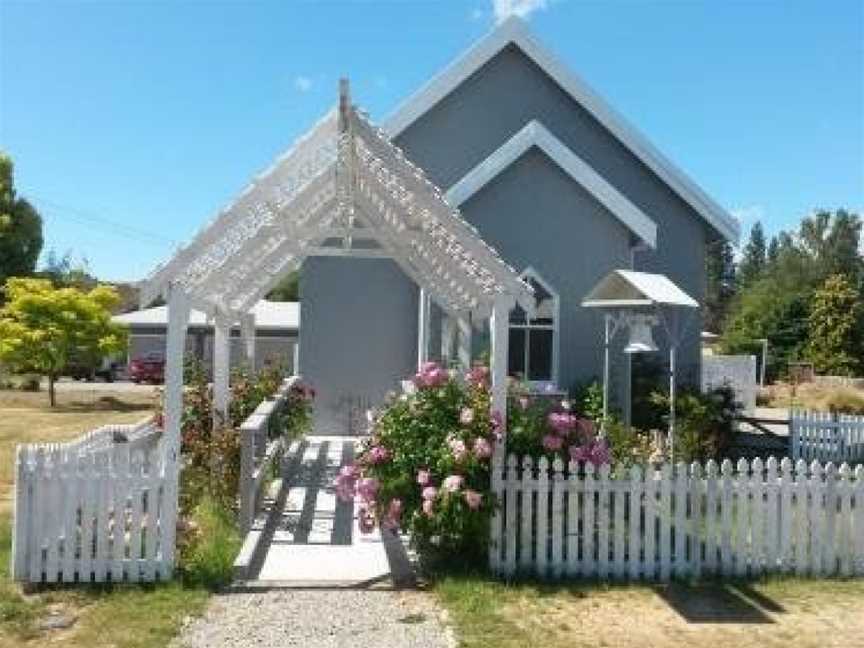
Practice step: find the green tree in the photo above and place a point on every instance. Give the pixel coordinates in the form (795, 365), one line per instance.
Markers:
(288, 289)
(833, 241)
(834, 340)
(41, 327)
(753, 260)
(720, 283)
(20, 228)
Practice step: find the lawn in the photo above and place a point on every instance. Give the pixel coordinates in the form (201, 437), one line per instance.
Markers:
(120, 617)
(775, 613)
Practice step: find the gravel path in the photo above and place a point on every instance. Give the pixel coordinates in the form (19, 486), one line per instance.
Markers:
(319, 619)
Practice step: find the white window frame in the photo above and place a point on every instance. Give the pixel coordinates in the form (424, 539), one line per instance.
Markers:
(555, 327)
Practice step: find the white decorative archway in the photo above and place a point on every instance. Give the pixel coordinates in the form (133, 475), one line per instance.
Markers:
(344, 189)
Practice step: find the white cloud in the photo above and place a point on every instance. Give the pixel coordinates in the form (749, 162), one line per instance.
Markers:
(302, 83)
(748, 215)
(503, 9)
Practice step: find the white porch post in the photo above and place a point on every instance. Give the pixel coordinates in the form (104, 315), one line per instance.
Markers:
(221, 367)
(500, 339)
(172, 413)
(422, 328)
(463, 324)
(447, 334)
(247, 332)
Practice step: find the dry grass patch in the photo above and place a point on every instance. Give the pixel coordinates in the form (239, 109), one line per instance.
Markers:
(769, 614)
(116, 617)
(814, 397)
(25, 417)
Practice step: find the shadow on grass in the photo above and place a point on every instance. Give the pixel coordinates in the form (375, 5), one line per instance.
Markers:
(718, 603)
(101, 404)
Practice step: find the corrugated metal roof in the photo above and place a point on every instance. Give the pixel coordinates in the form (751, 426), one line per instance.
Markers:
(268, 315)
(628, 288)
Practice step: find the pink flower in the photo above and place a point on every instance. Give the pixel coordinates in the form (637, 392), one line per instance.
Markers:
(423, 477)
(366, 519)
(428, 507)
(394, 514)
(458, 448)
(561, 423)
(524, 402)
(346, 481)
(473, 499)
(367, 488)
(594, 452)
(497, 424)
(430, 375)
(466, 416)
(453, 483)
(552, 442)
(430, 493)
(482, 448)
(379, 454)
(478, 377)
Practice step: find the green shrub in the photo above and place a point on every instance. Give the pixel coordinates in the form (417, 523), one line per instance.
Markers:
(208, 542)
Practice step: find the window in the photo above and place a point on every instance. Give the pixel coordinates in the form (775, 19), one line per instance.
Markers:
(533, 345)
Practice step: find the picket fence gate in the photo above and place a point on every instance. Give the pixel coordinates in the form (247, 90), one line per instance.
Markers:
(100, 508)
(677, 522)
(825, 436)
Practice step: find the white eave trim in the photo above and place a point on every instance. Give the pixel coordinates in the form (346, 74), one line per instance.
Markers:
(535, 134)
(514, 31)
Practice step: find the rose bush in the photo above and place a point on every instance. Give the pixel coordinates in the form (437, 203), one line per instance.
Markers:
(425, 468)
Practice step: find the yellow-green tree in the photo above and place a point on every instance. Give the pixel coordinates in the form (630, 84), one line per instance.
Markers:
(834, 340)
(41, 327)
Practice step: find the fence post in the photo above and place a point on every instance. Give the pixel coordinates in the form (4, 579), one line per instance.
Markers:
(247, 466)
(21, 515)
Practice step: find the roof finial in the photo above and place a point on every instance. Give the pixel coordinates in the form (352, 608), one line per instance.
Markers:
(344, 98)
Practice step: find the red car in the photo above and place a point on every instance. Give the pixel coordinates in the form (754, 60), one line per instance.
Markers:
(147, 368)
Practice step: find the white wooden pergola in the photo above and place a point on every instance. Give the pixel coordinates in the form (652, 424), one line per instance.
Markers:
(343, 189)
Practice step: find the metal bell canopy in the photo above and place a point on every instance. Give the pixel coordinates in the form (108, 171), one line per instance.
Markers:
(639, 300)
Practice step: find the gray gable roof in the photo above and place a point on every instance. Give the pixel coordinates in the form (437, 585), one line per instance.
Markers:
(514, 32)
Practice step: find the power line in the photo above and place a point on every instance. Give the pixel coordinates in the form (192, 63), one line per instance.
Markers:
(107, 225)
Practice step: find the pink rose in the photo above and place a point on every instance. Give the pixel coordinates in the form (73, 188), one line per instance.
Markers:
(394, 514)
(497, 424)
(466, 416)
(430, 493)
(561, 423)
(367, 488)
(365, 520)
(552, 442)
(458, 448)
(423, 477)
(473, 499)
(482, 448)
(478, 377)
(453, 483)
(379, 454)
(428, 507)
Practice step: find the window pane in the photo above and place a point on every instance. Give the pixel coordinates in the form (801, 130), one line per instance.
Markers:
(517, 316)
(516, 349)
(540, 355)
(544, 303)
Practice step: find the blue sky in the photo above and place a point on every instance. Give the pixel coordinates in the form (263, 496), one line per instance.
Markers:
(131, 124)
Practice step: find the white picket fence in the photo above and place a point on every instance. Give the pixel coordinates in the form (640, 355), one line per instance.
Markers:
(100, 508)
(824, 436)
(677, 522)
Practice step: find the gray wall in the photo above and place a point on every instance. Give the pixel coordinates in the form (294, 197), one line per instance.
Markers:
(471, 123)
(532, 213)
(358, 336)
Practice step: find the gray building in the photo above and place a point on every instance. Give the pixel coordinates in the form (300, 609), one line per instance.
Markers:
(558, 183)
(276, 331)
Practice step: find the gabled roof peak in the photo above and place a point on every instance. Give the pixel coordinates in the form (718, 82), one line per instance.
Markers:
(514, 31)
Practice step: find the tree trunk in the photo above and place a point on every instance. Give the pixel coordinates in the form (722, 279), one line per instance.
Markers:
(52, 401)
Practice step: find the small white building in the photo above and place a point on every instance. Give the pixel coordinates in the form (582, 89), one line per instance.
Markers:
(276, 332)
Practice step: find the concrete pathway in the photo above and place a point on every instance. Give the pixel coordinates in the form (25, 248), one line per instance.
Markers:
(317, 541)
